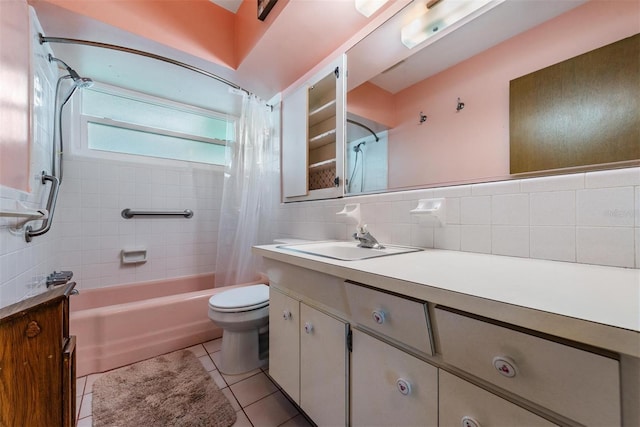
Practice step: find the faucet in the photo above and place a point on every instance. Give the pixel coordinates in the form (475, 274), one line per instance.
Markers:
(366, 239)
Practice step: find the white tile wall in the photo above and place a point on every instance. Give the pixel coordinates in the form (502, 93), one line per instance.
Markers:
(95, 192)
(589, 218)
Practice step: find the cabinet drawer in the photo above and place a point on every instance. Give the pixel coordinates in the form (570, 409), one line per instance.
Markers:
(578, 384)
(378, 372)
(464, 404)
(403, 320)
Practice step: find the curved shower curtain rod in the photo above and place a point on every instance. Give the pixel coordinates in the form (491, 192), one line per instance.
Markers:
(353, 122)
(44, 39)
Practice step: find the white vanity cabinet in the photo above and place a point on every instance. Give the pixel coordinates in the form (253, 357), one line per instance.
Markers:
(313, 124)
(309, 358)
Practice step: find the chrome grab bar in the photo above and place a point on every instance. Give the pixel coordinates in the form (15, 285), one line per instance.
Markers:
(29, 233)
(128, 213)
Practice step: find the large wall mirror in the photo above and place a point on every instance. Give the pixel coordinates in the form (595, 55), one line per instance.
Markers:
(428, 95)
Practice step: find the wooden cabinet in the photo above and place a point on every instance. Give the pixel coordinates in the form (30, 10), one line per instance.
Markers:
(308, 358)
(313, 122)
(390, 387)
(37, 362)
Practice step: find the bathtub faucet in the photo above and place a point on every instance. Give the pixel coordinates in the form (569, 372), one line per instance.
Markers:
(366, 239)
(58, 278)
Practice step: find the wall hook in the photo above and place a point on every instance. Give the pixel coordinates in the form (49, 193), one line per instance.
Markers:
(460, 105)
(423, 118)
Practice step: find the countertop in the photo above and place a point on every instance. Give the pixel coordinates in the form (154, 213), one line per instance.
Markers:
(592, 304)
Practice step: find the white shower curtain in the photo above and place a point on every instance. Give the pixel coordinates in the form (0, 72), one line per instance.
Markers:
(250, 192)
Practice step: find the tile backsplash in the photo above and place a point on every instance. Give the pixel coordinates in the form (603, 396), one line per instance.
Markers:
(591, 218)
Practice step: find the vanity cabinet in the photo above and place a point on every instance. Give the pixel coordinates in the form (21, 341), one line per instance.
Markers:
(37, 361)
(309, 357)
(313, 123)
(414, 362)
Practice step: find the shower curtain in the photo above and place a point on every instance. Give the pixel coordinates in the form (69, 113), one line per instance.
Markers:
(249, 196)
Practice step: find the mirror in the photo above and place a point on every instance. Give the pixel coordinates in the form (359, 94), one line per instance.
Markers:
(440, 110)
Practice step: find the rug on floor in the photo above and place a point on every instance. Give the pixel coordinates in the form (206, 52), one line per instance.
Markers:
(170, 390)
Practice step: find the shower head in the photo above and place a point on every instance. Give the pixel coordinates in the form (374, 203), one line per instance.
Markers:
(357, 148)
(78, 82)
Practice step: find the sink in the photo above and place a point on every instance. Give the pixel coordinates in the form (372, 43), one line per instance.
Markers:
(346, 251)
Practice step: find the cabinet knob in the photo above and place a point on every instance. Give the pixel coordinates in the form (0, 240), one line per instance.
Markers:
(286, 315)
(505, 366)
(469, 422)
(308, 327)
(404, 386)
(378, 316)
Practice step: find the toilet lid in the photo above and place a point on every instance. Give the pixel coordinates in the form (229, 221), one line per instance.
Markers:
(241, 299)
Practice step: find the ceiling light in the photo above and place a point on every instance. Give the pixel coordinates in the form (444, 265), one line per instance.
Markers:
(368, 7)
(436, 19)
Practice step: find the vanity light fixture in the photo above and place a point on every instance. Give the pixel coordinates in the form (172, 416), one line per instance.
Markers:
(369, 7)
(436, 19)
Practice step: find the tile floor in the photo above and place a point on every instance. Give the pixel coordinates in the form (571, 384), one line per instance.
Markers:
(257, 400)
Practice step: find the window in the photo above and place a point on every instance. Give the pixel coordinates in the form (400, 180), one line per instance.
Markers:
(128, 123)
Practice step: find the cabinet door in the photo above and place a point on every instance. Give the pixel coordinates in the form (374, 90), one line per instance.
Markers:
(313, 121)
(323, 367)
(284, 342)
(390, 387)
(294, 143)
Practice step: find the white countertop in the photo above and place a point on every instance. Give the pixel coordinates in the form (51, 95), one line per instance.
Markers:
(605, 301)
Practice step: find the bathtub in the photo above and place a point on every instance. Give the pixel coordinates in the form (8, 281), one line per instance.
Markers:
(119, 325)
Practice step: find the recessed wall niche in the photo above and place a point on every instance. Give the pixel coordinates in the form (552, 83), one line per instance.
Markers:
(582, 111)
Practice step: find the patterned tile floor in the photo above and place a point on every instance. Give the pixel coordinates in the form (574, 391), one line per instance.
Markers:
(257, 400)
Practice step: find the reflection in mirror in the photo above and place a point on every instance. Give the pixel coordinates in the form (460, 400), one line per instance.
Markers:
(391, 86)
(366, 155)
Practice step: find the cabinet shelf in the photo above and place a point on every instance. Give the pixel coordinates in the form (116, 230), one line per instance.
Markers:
(322, 139)
(326, 164)
(322, 113)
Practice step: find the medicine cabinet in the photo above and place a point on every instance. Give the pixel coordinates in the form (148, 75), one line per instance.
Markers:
(313, 136)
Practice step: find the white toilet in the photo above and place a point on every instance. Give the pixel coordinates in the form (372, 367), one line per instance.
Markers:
(243, 314)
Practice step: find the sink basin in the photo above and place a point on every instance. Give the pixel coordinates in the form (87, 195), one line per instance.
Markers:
(346, 251)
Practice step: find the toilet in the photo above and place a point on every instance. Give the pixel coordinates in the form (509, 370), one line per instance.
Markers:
(243, 314)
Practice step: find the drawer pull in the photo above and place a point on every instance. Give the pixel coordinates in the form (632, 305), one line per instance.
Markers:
(378, 316)
(505, 366)
(286, 315)
(308, 327)
(469, 422)
(404, 386)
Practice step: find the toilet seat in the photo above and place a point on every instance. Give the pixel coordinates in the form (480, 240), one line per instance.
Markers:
(246, 298)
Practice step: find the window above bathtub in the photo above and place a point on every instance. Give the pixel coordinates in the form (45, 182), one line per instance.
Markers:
(122, 124)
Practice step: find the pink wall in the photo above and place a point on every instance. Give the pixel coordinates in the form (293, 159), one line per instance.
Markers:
(14, 95)
(374, 103)
(198, 27)
(474, 143)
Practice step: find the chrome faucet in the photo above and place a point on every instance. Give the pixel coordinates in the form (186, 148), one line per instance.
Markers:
(366, 239)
